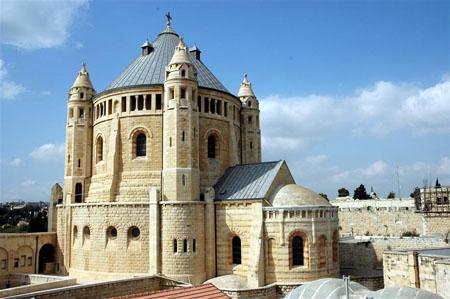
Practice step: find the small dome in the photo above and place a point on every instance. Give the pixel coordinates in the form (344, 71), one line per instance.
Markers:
(83, 79)
(246, 88)
(295, 195)
(229, 282)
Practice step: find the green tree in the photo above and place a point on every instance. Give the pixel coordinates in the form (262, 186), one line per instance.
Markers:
(360, 193)
(37, 224)
(391, 195)
(343, 192)
(324, 196)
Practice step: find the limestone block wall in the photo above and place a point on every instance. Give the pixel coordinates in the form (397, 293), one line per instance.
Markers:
(93, 246)
(437, 224)
(443, 278)
(363, 256)
(312, 224)
(382, 221)
(183, 241)
(233, 219)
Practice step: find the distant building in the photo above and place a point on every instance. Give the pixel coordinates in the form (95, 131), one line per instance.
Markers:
(432, 199)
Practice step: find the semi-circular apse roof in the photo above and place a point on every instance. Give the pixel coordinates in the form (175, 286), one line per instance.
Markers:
(150, 69)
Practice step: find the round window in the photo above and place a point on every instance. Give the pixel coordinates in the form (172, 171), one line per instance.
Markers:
(135, 232)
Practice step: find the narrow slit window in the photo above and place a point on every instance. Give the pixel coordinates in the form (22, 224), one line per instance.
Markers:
(213, 106)
(175, 249)
(236, 250)
(81, 113)
(225, 109)
(194, 245)
(183, 136)
(124, 104)
(109, 107)
(183, 93)
(206, 105)
(133, 103)
(140, 102)
(219, 107)
(148, 102)
(158, 101)
(199, 104)
(185, 245)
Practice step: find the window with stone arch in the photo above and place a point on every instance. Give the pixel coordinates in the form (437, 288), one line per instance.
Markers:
(335, 246)
(99, 149)
(298, 249)
(139, 143)
(236, 253)
(212, 146)
(322, 251)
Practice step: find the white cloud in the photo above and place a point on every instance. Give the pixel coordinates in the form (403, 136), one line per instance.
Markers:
(295, 123)
(37, 24)
(79, 45)
(15, 162)
(48, 151)
(377, 168)
(316, 160)
(28, 183)
(8, 89)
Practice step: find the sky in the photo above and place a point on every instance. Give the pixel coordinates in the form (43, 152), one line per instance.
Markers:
(350, 92)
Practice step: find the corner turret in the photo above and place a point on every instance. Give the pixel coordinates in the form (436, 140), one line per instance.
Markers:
(78, 138)
(250, 127)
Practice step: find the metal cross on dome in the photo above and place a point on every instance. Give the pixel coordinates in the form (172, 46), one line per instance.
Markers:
(169, 18)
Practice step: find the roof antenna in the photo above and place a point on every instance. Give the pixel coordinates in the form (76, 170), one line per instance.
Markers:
(169, 18)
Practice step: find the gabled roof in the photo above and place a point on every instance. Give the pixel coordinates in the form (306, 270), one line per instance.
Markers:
(150, 69)
(205, 291)
(247, 181)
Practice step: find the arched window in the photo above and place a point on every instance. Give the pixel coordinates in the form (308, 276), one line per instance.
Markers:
(322, 251)
(211, 147)
(297, 251)
(335, 246)
(78, 192)
(236, 250)
(141, 150)
(185, 245)
(99, 149)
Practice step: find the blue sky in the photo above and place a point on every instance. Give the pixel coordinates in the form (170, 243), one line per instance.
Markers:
(351, 92)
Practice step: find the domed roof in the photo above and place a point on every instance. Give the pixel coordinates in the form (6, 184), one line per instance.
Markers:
(150, 69)
(246, 88)
(229, 282)
(83, 79)
(330, 288)
(334, 288)
(295, 195)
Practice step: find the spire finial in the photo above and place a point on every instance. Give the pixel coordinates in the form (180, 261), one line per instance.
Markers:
(83, 68)
(169, 18)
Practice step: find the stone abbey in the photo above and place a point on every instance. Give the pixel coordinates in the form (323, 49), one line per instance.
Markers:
(163, 175)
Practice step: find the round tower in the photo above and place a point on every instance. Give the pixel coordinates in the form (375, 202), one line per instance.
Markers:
(250, 129)
(78, 138)
(182, 212)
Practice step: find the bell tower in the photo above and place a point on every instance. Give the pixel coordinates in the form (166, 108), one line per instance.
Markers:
(251, 132)
(78, 138)
(182, 212)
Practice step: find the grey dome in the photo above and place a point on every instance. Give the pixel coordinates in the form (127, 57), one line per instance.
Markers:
(295, 195)
(326, 288)
(150, 69)
(333, 288)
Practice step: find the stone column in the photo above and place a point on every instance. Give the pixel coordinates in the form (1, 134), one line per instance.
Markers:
(210, 234)
(154, 232)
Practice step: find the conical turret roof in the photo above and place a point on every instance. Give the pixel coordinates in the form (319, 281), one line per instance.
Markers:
(246, 88)
(150, 69)
(180, 55)
(83, 79)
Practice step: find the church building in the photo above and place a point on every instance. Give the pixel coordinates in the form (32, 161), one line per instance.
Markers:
(163, 175)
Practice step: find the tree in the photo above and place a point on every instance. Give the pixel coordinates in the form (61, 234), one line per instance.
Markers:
(360, 193)
(391, 195)
(37, 224)
(343, 192)
(437, 183)
(324, 196)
